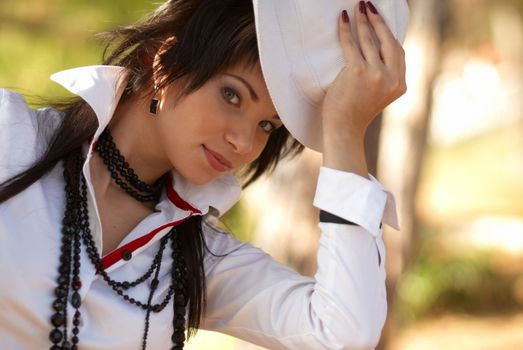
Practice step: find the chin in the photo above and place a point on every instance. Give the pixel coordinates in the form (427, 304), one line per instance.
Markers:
(199, 179)
(200, 182)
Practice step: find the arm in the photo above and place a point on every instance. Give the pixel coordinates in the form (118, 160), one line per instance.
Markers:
(255, 298)
(344, 307)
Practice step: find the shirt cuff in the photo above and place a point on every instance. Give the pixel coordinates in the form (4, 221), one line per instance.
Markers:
(356, 199)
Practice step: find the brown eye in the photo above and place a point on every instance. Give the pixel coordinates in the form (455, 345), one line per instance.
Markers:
(230, 95)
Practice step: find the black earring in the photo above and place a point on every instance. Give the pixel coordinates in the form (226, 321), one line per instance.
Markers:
(153, 107)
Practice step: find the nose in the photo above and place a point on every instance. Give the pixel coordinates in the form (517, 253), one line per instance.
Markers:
(241, 138)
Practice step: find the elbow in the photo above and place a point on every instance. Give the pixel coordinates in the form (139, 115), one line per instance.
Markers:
(366, 339)
(361, 338)
(361, 333)
(356, 326)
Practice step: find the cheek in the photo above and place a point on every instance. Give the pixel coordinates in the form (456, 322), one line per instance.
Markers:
(258, 147)
(190, 122)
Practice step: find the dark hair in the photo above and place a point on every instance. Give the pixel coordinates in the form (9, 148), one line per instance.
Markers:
(201, 38)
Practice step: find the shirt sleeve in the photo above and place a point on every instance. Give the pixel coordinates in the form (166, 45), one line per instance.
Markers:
(253, 297)
(21, 136)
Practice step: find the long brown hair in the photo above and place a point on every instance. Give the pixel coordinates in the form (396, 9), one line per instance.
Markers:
(210, 37)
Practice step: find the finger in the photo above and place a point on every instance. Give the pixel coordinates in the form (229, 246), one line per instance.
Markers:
(368, 45)
(389, 46)
(351, 51)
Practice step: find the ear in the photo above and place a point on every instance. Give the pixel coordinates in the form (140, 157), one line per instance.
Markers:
(157, 67)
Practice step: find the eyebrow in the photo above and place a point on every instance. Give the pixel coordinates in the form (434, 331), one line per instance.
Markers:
(252, 92)
(254, 96)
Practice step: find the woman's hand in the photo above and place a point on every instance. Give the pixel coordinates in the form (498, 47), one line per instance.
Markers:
(374, 76)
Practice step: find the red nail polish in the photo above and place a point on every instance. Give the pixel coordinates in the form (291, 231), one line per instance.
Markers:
(363, 8)
(372, 8)
(345, 16)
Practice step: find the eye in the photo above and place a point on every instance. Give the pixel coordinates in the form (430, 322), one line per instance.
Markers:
(230, 95)
(267, 126)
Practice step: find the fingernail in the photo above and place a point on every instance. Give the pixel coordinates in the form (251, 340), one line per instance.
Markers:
(363, 8)
(372, 8)
(345, 16)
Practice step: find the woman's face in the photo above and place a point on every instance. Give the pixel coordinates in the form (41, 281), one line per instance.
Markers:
(218, 128)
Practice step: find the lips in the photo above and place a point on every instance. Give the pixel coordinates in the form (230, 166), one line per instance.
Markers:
(217, 161)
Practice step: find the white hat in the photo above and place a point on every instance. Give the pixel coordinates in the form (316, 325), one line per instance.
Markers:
(300, 55)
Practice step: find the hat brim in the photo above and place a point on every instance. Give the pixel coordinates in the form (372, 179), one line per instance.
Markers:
(301, 119)
(300, 115)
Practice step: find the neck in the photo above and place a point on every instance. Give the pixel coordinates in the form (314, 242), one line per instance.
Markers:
(133, 132)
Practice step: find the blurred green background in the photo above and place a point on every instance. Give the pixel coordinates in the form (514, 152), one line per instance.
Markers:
(456, 269)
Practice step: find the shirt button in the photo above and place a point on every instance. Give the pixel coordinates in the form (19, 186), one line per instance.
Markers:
(127, 255)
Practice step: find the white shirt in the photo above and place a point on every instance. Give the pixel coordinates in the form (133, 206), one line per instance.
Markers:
(250, 296)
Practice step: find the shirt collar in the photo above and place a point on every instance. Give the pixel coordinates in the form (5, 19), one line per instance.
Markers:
(101, 87)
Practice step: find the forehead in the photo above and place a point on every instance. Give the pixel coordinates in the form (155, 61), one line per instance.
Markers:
(246, 70)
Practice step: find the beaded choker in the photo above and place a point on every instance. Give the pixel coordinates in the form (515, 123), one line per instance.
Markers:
(123, 174)
(75, 231)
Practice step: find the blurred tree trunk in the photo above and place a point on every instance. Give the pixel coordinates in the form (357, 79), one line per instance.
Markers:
(404, 138)
(286, 222)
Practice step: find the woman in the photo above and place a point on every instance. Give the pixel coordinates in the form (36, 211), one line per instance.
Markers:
(107, 203)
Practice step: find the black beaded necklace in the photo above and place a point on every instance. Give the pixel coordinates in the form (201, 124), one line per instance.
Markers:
(75, 230)
(123, 174)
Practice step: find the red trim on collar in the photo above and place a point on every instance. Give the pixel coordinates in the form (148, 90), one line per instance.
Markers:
(116, 255)
(175, 198)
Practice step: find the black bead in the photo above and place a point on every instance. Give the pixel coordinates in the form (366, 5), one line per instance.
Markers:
(154, 283)
(62, 280)
(76, 301)
(178, 322)
(57, 319)
(69, 230)
(127, 255)
(179, 310)
(56, 336)
(60, 292)
(64, 259)
(58, 305)
(178, 337)
(179, 299)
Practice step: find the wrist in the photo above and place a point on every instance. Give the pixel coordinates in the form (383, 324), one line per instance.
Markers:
(345, 153)
(344, 124)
